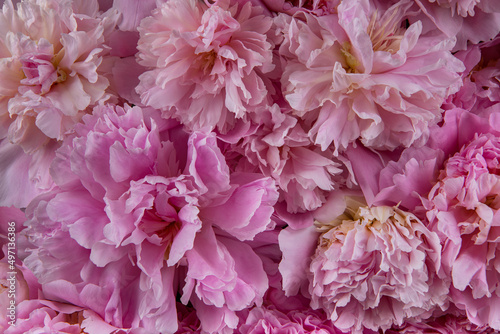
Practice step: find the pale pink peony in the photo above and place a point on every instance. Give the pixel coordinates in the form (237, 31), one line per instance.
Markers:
(271, 321)
(275, 144)
(367, 268)
(207, 63)
(363, 74)
(50, 69)
(158, 204)
(51, 52)
(463, 207)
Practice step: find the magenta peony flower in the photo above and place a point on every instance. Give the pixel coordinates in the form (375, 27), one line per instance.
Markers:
(364, 74)
(158, 204)
(271, 321)
(367, 268)
(463, 207)
(207, 62)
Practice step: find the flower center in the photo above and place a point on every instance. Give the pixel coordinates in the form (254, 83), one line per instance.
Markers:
(386, 32)
(207, 61)
(165, 226)
(351, 61)
(40, 72)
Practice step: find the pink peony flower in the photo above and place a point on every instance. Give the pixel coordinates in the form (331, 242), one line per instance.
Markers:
(271, 321)
(463, 207)
(51, 53)
(470, 21)
(364, 74)
(276, 145)
(207, 62)
(158, 204)
(50, 69)
(367, 267)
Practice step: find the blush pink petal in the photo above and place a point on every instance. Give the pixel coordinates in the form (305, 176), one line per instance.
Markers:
(219, 277)
(248, 211)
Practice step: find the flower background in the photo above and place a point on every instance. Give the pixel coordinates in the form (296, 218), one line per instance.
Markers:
(250, 166)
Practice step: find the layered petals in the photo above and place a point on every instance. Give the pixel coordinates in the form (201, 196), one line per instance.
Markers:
(353, 67)
(206, 69)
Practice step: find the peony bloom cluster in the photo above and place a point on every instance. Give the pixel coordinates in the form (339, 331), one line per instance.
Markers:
(368, 267)
(207, 63)
(464, 208)
(364, 75)
(250, 166)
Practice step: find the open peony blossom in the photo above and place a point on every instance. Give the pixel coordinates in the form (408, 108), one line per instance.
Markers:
(464, 208)
(207, 63)
(50, 74)
(158, 204)
(276, 145)
(363, 73)
(250, 166)
(369, 267)
(50, 61)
